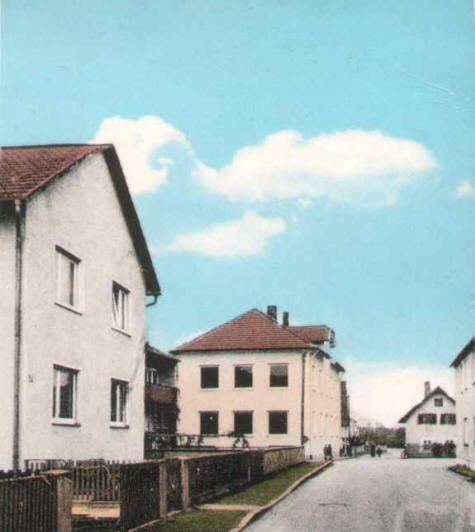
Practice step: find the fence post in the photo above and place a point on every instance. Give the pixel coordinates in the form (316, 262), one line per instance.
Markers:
(64, 495)
(162, 488)
(185, 484)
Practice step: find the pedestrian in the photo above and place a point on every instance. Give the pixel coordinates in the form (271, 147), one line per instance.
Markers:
(373, 450)
(330, 452)
(379, 451)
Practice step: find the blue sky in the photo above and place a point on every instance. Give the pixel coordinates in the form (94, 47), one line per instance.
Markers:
(313, 155)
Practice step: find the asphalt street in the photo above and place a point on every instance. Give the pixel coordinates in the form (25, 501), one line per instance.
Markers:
(377, 494)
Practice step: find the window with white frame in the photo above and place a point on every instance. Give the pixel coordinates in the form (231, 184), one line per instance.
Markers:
(120, 307)
(119, 392)
(67, 279)
(151, 376)
(64, 394)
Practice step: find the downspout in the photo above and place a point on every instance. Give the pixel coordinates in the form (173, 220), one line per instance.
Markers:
(302, 419)
(19, 212)
(151, 303)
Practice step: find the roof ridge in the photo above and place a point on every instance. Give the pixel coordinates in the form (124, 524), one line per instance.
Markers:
(280, 328)
(36, 146)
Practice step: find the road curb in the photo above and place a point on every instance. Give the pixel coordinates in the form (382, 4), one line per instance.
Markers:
(262, 509)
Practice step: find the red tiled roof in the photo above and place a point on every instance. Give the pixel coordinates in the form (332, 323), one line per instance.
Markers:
(252, 330)
(25, 169)
(316, 334)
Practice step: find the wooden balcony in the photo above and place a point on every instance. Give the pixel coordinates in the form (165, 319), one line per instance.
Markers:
(160, 393)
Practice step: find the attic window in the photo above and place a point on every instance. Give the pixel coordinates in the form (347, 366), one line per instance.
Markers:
(438, 401)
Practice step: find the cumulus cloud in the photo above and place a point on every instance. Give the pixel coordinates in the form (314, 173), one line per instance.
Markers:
(353, 166)
(465, 190)
(244, 237)
(138, 143)
(385, 392)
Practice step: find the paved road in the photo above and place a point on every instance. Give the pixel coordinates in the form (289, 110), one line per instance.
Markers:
(375, 495)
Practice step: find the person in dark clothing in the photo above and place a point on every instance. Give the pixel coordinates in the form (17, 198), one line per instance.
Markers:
(330, 452)
(373, 450)
(379, 451)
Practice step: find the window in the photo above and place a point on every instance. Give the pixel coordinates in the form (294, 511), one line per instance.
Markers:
(438, 401)
(151, 375)
(243, 376)
(279, 376)
(447, 419)
(243, 422)
(64, 394)
(209, 376)
(427, 419)
(120, 307)
(119, 390)
(277, 422)
(208, 422)
(67, 278)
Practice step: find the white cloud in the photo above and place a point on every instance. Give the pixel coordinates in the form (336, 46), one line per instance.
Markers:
(384, 392)
(465, 190)
(137, 143)
(349, 166)
(244, 237)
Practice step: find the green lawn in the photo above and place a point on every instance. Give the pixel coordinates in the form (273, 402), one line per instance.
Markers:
(266, 490)
(200, 521)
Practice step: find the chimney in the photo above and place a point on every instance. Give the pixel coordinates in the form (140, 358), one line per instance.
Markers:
(285, 319)
(272, 312)
(426, 388)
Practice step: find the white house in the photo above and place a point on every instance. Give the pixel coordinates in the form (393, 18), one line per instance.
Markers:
(464, 365)
(272, 382)
(433, 420)
(76, 272)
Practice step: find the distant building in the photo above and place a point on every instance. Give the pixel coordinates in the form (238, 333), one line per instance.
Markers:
(464, 365)
(161, 393)
(431, 421)
(272, 382)
(75, 272)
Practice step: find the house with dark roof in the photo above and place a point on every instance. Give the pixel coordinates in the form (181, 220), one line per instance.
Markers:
(271, 382)
(464, 367)
(76, 277)
(431, 421)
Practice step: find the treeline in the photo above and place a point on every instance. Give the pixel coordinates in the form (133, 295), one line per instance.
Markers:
(392, 437)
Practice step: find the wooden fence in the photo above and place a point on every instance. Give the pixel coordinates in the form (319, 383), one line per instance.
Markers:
(39, 503)
(139, 494)
(96, 482)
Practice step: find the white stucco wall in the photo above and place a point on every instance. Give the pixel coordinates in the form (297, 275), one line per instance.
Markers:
(322, 398)
(80, 212)
(7, 299)
(323, 412)
(465, 397)
(416, 434)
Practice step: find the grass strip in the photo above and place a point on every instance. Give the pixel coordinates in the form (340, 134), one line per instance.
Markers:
(463, 470)
(200, 521)
(268, 489)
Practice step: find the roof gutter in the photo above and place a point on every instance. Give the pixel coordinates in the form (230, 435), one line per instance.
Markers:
(19, 217)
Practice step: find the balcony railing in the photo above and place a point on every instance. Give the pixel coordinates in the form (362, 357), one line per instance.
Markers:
(160, 393)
